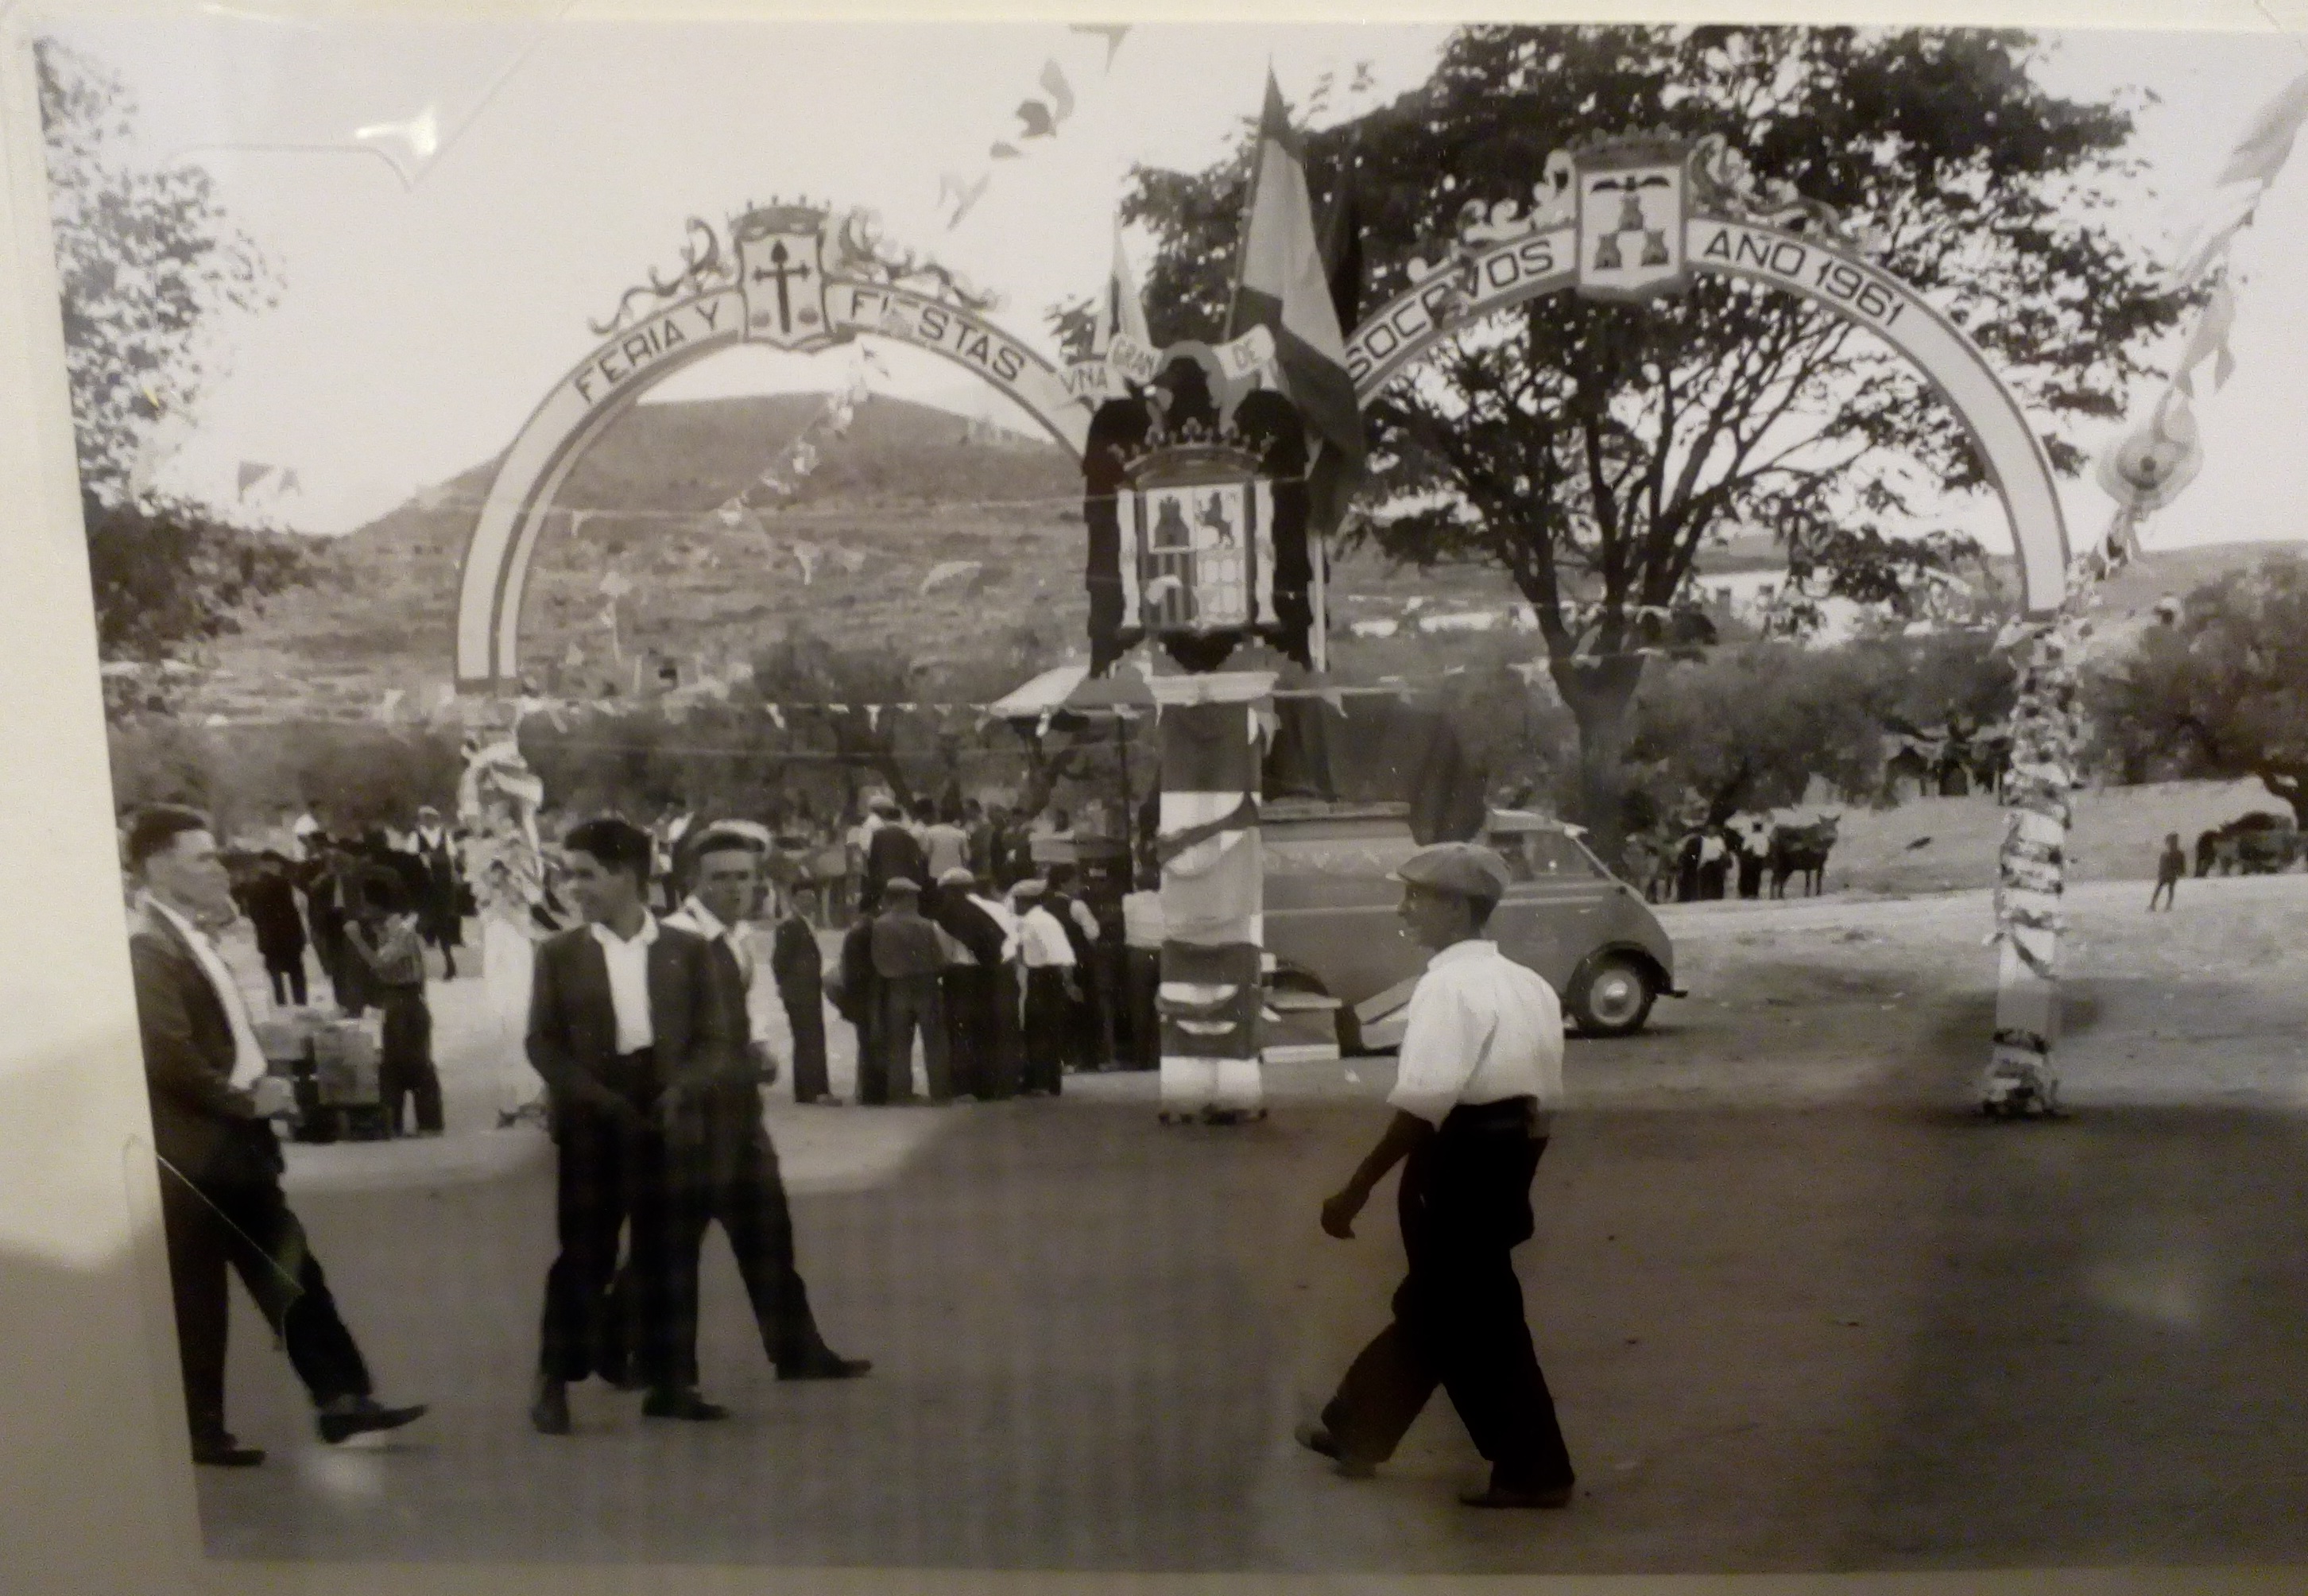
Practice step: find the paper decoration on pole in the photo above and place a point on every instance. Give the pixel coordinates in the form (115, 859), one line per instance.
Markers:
(806, 556)
(2210, 341)
(946, 571)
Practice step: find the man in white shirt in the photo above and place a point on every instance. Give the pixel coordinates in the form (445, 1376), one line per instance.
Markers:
(221, 1205)
(1480, 1076)
(1047, 955)
(743, 1188)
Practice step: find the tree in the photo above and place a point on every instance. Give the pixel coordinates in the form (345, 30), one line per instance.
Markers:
(1592, 450)
(1747, 728)
(148, 265)
(2221, 693)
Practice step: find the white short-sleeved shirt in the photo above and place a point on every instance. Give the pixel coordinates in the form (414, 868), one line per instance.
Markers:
(629, 994)
(1043, 941)
(1481, 1029)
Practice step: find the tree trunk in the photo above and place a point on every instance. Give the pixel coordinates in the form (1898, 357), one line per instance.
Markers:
(1599, 694)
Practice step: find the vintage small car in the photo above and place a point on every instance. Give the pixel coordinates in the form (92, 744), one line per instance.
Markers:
(1331, 925)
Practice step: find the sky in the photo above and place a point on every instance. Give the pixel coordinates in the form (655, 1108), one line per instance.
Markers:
(449, 205)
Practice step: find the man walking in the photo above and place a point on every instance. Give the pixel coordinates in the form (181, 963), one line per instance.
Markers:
(440, 911)
(798, 968)
(269, 900)
(1481, 1071)
(908, 960)
(741, 1186)
(626, 1030)
(2171, 865)
(221, 1205)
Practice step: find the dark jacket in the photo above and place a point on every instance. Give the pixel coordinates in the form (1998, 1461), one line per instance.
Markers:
(572, 1022)
(270, 902)
(970, 926)
(202, 1124)
(906, 944)
(892, 852)
(857, 987)
(795, 964)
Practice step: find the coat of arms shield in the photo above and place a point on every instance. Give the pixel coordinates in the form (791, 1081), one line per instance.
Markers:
(781, 271)
(1631, 199)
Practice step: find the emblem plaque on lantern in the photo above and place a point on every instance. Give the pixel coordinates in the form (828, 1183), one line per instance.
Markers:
(1199, 559)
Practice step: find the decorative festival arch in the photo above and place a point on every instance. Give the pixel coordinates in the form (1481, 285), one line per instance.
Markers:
(1614, 223)
(795, 278)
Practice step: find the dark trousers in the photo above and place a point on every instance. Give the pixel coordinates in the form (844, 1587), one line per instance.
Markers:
(1141, 980)
(1047, 1013)
(1005, 1059)
(873, 1079)
(258, 1237)
(1465, 1205)
(404, 1064)
(2166, 890)
(612, 1172)
(967, 991)
(805, 1018)
(735, 1181)
(287, 973)
(913, 1004)
(1750, 876)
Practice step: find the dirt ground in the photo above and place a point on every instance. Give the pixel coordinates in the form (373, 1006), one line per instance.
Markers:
(1802, 1308)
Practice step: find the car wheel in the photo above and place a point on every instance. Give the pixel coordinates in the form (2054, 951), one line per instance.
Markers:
(1613, 996)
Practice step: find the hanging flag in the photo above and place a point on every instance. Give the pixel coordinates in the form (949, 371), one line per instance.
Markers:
(574, 658)
(1060, 93)
(1342, 249)
(777, 713)
(616, 584)
(389, 704)
(874, 717)
(2267, 142)
(2210, 341)
(1122, 311)
(2228, 214)
(806, 556)
(1279, 284)
(288, 482)
(1111, 32)
(731, 511)
(852, 560)
(251, 473)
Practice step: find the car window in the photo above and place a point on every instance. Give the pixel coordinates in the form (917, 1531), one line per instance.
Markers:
(1544, 856)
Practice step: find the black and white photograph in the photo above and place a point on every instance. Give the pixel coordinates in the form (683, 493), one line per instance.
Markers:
(1255, 799)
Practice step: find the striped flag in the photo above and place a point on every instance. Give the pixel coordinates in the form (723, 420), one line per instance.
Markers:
(1280, 284)
(1122, 310)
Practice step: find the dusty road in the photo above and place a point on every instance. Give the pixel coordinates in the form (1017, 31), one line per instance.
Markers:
(1802, 1308)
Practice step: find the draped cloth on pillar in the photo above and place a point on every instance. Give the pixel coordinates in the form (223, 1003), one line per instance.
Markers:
(1211, 997)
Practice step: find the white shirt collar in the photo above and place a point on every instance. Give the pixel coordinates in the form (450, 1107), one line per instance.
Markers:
(190, 932)
(1459, 952)
(640, 938)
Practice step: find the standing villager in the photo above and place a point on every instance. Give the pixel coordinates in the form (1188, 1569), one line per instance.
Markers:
(798, 968)
(440, 911)
(945, 845)
(385, 937)
(625, 1028)
(979, 830)
(909, 962)
(736, 1181)
(221, 1205)
(1088, 1035)
(269, 899)
(857, 996)
(2171, 868)
(976, 945)
(1141, 978)
(1481, 1074)
(1047, 956)
(891, 851)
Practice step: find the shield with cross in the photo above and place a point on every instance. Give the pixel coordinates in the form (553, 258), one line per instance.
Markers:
(781, 270)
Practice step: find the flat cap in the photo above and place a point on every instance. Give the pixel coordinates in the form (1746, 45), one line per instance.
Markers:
(960, 875)
(901, 883)
(1466, 868)
(1027, 889)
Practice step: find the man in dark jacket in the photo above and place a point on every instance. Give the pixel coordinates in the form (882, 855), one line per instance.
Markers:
(909, 960)
(858, 999)
(798, 968)
(624, 1028)
(220, 1199)
(890, 853)
(440, 907)
(269, 899)
(969, 984)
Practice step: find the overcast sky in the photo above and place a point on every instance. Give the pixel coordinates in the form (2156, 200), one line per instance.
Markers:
(429, 304)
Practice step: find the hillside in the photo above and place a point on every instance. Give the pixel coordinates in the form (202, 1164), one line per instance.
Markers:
(907, 488)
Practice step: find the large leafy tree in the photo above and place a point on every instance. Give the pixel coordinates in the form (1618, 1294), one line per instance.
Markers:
(2222, 691)
(1592, 450)
(148, 266)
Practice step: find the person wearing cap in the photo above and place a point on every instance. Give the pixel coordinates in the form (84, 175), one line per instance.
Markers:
(737, 1180)
(975, 942)
(1048, 955)
(1481, 1073)
(892, 852)
(908, 960)
(440, 908)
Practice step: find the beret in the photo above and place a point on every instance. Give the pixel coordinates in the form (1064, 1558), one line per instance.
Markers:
(1465, 869)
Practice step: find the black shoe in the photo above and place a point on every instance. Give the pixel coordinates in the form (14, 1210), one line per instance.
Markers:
(223, 1451)
(351, 1416)
(826, 1366)
(663, 1404)
(548, 1409)
(1496, 1496)
(1314, 1439)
